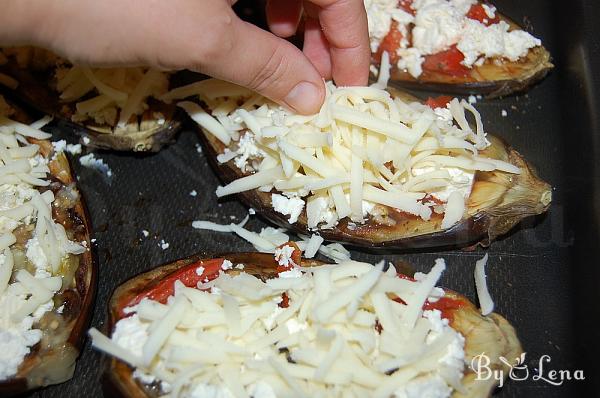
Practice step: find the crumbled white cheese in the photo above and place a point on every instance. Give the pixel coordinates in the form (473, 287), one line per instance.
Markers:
(90, 161)
(226, 265)
(380, 14)
(35, 254)
(283, 256)
(59, 146)
(439, 24)
(504, 113)
(480, 41)
(131, 334)
(287, 206)
(193, 193)
(163, 245)
(74, 149)
(199, 270)
(145, 233)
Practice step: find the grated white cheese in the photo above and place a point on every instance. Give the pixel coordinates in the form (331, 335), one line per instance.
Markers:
(485, 299)
(25, 297)
(363, 150)
(283, 256)
(328, 331)
(119, 95)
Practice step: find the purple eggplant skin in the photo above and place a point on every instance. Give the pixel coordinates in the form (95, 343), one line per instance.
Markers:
(35, 91)
(498, 202)
(495, 78)
(53, 360)
(491, 333)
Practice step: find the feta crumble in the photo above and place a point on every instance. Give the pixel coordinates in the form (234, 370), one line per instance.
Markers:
(287, 206)
(92, 162)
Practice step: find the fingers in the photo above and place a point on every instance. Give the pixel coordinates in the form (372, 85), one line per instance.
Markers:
(344, 24)
(252, 57)
(316, 47)
(283, 16)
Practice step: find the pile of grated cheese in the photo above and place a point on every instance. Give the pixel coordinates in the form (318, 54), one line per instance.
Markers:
(341, 335)
(29, 271)
(118, 95)
(362, 152)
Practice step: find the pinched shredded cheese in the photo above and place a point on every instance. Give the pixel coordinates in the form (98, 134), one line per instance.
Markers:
(342, 333)
(27, 284)
(363, 150)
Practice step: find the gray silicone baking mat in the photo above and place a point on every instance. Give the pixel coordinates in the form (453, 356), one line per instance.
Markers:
(535, 274)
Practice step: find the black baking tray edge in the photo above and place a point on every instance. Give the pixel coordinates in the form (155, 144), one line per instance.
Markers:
(544, 276)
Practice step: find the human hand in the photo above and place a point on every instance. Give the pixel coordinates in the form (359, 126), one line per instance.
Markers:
(206, 36)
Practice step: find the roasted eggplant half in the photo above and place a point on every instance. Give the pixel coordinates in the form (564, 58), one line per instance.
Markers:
(493, 69)
(496, 201)
(91, 102)
(491, 334)
(48, 271)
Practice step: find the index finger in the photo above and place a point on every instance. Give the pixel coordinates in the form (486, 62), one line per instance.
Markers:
(344, 23)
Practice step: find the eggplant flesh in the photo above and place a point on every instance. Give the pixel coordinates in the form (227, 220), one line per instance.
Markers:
(498, 202)
(491, 334)
(495, 78)
(52, 360)
(142, 134)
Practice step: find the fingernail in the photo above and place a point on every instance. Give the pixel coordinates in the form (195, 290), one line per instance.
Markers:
(304, 98)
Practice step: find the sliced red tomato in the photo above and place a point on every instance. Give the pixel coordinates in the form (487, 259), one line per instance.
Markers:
(296, 257)
(406, 5)
(446, 305)
(390, 43)
(477, 12)
(447, 62)
(187, 275)
(438, 102)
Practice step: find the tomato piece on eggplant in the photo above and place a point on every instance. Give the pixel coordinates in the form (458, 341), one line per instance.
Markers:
(477, 12)
(438, 102)
(448, 62)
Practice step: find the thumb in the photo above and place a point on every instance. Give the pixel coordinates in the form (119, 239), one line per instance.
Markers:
(261, 61)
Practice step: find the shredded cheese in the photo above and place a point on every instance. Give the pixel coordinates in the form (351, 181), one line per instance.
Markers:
(362, 150)
(485, 299)
(324, 342)
(110, 96)
(27, 286)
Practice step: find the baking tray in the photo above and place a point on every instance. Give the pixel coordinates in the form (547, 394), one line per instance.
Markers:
(543, 276)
